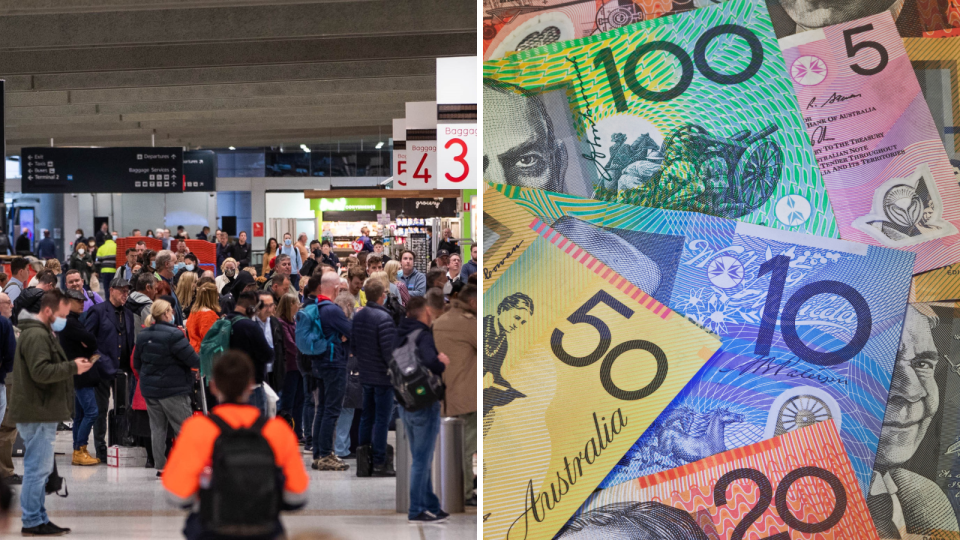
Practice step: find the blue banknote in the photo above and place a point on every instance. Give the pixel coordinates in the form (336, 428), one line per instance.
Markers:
(810, 326)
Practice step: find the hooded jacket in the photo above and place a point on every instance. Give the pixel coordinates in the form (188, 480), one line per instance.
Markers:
(44, 375)
(139, 304)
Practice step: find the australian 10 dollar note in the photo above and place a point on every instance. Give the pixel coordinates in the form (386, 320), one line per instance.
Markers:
(810, 326)
(690, 112)
(577, 363)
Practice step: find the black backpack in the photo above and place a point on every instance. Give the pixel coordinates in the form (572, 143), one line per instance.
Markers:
(395, 308)
(246, 486)
(415, 386)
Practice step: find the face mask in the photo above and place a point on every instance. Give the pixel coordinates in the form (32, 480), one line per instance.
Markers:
(59, 324)
(177, 267)
(153, 264)
(80, 251)
(79, 236)
(189, 267)
(150, 235)
(287, 242)
(230, 272)
(114, 237)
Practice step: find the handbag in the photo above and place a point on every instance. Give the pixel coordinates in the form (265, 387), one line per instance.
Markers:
(55, 482)
(353, 395)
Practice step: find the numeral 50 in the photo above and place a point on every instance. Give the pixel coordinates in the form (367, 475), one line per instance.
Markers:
(606, 369)
(604, 58)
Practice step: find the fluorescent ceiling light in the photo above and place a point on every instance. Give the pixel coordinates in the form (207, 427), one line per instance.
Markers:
(232, 147)
(305, 148)
(379, 145)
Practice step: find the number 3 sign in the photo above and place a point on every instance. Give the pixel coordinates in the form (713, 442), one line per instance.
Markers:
(457, 156)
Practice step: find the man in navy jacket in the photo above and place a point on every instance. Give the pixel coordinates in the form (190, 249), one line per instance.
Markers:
(329, 370)
(113, 325)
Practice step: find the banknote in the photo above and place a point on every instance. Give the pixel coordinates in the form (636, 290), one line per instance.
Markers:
(691, 112)
(810, 326)
(915, 488)
(577, 362)
(796, 486)
(880, 154)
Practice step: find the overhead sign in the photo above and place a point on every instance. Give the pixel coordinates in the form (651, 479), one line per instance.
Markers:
(102, 170)
(421, 135)
(400, 173)
(423, 208)
(457, 141)
(200, 170)
(346, 205)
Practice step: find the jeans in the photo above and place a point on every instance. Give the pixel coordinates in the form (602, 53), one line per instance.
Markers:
(375, 420)
(259, 399)
(105, 279)
(342, 445)
(102, 392)
(84, 415)
(331, 385)
(291, 400)
(37, 466)
(172, 411)
(309, 408)
(422, 428)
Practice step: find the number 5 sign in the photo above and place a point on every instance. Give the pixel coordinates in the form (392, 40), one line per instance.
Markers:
(457, 156)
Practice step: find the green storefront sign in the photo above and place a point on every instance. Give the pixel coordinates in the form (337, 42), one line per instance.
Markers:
(346, 205)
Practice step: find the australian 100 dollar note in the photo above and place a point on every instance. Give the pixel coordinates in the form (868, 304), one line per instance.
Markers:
(883, 162)
(691, 112)
(577, 363)
(799, 485)
(810, 326)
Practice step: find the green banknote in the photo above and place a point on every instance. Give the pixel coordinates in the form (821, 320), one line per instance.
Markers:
(691, 112)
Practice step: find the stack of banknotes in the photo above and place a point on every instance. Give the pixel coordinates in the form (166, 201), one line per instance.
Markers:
(721, 269)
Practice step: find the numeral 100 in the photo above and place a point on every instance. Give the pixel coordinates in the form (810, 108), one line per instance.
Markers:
(604, 59)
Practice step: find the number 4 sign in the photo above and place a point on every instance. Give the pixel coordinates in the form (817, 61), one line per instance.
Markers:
(457, 156)
(421, 166)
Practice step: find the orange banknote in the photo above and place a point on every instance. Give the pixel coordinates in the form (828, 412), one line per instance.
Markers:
(796, 486)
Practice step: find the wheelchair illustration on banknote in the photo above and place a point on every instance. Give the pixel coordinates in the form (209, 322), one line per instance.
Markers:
(721, 176)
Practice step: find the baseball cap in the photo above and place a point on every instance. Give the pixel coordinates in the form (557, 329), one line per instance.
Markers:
(443, 253)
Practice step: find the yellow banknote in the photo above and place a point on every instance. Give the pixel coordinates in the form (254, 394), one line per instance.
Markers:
(577, 364)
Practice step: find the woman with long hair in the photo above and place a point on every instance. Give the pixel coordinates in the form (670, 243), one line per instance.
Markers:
(205, 312)
(292, 397)
(165, 361)
(186, 289)
(392, 268)
(269, 254)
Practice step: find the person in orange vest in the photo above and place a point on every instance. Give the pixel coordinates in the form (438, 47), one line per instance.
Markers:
(235, 469)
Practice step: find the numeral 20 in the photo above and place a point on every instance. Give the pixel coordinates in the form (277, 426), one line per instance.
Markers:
(778, 267)
(604, 58)
(606, 369)
(766, 494)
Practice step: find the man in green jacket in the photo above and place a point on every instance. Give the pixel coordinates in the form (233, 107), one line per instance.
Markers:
(42, 397)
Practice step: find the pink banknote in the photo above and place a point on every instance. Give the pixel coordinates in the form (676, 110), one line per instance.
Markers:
(884, 165)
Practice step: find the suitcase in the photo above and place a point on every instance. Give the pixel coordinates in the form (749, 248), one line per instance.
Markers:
(364, 461)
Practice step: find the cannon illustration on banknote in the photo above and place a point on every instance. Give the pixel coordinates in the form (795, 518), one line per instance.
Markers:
(696, 171)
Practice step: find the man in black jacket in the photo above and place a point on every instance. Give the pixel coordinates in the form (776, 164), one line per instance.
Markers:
(422, 426)
(29, 300)
(112, 323)
(78, 342)
(374, 336)
(8, 430)
(247, 336)
(241, 251)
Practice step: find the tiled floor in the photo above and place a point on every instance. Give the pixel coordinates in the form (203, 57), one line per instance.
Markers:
(107, 503)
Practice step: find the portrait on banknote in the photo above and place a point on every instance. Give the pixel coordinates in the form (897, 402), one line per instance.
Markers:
(633, 521)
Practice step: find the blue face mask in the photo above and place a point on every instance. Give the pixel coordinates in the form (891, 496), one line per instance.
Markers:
(153, 264)
(177, 267)
(287, 242)
(189, 267)
(59, 324)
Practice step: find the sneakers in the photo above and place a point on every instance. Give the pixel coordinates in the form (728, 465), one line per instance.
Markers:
(81, 457)
(330, 463)
(427, 517)
(440, 515)
(308, 449)
(45, 529)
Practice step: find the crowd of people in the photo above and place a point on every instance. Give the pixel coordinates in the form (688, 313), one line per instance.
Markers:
(132, 352)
